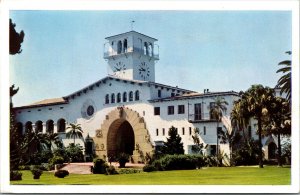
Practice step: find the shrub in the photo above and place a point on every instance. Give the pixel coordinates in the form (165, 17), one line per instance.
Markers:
(123, 158)
(178, 162)
(129, 171)
(74, 153)
(111, 170)
(15, 175)
(99, 166)
(61, 173)
(36, 171)
(56, 160)
(149, 168)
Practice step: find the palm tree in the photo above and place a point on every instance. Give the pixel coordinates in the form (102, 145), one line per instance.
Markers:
(52, 137)
(280, 121)
(74, 131)
(257, 99)
(216, 112)
(285, 80)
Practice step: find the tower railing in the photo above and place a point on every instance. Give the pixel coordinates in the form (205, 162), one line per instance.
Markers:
(108, 54)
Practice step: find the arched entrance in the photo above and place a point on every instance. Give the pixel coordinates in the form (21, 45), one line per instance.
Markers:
(123, 130)
(120, 138)
(272, 150)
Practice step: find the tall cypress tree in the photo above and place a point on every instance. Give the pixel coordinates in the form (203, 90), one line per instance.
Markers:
(173, 145)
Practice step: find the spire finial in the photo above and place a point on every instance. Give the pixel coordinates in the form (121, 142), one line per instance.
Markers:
(132, 21)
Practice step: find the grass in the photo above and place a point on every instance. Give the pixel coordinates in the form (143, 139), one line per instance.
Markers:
(269, 175)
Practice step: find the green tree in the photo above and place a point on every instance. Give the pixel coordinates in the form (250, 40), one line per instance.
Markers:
(257, 100)
(217, 108)
(15, 39)
(279, 122)
(74, 131)
(173, 145)
(197, 148)
(284, 82)
(231, 137)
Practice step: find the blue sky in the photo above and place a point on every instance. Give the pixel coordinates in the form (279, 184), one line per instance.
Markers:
(218, 50)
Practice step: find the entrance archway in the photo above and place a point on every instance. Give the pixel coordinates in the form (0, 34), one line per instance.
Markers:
(272, 150)
(123, 130)
(120, 138)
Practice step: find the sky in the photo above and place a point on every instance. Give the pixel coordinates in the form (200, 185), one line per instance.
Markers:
(62, 51)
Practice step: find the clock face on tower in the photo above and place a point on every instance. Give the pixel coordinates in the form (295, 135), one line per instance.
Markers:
(144, 70)
(119, 68)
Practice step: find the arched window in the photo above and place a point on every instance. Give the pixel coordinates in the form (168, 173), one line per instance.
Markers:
(150, 49)
(119, 49)
(130, 96)
(125, 46)
(119, 98)
(106, 99)
(19, 127)
(112, 98)
(137, 95)
(50, 126)
(28, 126)
(124, 97)
(61, 125)
(146, 52)
(38, 126)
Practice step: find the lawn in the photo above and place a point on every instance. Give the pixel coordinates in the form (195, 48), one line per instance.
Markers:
(269, 175)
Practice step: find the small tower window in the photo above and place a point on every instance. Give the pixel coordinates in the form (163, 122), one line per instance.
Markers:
(130, 96)
(125, 46)
(119, 49)
(119, 98)
(112, 98)
(107, 99)
(150, 49)
(137, 95)
(124, 97)
(146, 51)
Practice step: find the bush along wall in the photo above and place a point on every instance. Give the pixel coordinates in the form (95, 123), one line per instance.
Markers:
(176, 162)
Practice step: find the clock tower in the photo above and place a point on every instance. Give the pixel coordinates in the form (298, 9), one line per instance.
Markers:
(131, 55)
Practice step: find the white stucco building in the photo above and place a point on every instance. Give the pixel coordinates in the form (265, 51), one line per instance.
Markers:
(127, 111)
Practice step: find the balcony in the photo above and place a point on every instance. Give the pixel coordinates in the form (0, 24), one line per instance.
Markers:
(204, 118)
(131, 50)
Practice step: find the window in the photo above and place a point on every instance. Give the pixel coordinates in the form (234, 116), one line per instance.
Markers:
(130, 96)
(146, 52)
(170, 110)
(124, 97)
(163, 131)
(118, 97)
(183, 131)
(150, 49)
(107, 99)
(180, 109)
(190, 130)
(50, 126)
(197, 111)
(61, 125)
(28, 126)
(204, 130)
(125, 46)
(156, 110)
(159, 93)
(156, 132)
(137, 95)
(119, 50)
(39, 126)
(112, 98)
(172, 94)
